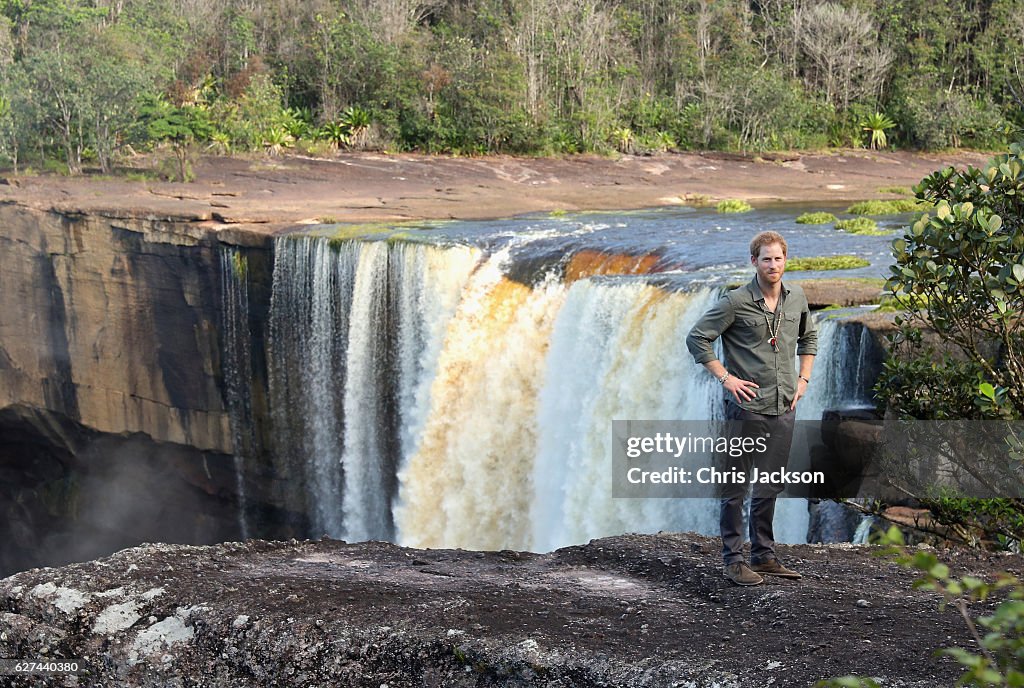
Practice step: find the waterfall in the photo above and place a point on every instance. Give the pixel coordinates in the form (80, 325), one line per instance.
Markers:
(468, 482)
(421, 394)
(238, 367)
(842, 376)
(354, 330)
(309, 316)
(617, 352)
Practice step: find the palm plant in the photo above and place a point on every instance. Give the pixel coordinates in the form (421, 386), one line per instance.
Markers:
(335, 132)
(276, 139)
(357, 122)
(623, 139)
(297, 122)
(877, 123)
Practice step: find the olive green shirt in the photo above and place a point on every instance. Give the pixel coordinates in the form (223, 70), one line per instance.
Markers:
(741, 319)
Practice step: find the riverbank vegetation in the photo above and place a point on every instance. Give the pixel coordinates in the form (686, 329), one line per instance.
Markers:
(83, 82)
(734, 205)
(860, 225)
(820, 218)
(957, 350)
(826, 263)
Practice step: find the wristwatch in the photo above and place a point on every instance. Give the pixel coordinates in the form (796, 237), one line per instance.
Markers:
(722, 379)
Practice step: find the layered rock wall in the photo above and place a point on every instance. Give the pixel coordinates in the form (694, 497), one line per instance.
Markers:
(114, 424)
(113, 322)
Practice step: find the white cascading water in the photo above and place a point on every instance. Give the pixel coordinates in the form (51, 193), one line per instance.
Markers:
(355, 328)
(424, 396)
(309, 315)
(840, 369)
(467, 483)
(366, 404)
(237, 366)
(617, 352)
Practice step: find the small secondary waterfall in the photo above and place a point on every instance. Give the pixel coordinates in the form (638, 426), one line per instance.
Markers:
(421, 394)
(842, 376)
(238, 367)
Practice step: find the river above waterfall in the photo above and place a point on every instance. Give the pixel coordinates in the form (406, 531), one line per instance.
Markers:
(692, 246)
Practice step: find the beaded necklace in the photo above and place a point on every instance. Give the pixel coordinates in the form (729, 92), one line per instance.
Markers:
(773, 331)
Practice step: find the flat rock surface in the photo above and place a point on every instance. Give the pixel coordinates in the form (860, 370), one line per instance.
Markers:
(266, 194)
(633, 610)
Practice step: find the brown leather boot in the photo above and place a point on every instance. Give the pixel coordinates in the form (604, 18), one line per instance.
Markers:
(740, 574)
(772, 567)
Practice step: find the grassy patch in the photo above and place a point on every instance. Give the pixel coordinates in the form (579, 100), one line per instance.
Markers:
(894, 207)
(906, 302)
(878, 282)
(826, 263)
(899, 190)
(697, 200)
(860, 225)
(734, 205)
(815, 219)
(141, 176)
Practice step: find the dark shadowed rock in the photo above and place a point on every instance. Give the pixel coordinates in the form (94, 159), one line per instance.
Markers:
(822, 293)
(635, 610)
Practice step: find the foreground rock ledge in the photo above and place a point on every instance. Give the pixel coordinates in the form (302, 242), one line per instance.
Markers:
(635, 610)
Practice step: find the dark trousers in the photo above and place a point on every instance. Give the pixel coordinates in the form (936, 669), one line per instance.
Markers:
(778, 434)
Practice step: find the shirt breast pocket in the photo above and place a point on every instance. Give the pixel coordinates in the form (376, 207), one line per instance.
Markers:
(752, 327)
(790, 326)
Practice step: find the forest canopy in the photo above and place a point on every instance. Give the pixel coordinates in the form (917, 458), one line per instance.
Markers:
(83, 81)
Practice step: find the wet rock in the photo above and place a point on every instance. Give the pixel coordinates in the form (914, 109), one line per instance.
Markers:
(822, 293)
(625, 611)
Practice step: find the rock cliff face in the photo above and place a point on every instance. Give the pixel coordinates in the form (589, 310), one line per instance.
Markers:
(113, 322)
(635, 610)
(110, 373)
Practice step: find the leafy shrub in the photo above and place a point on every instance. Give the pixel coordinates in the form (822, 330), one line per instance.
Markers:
(958, 274)
(890, 207)
(971, 246)
(815, 219)
(943, 119)
(734, 205)
(860, 225)
(826, 263)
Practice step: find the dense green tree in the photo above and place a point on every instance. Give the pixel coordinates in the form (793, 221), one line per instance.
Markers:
(959, 275)
(515, 75)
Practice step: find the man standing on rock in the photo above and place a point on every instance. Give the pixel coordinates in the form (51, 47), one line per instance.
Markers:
(764, 327)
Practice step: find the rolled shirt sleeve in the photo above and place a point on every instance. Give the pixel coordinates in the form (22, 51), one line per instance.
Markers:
(807, 342)
(709, 328)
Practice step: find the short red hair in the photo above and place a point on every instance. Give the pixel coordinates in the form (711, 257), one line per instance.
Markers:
(766, 239)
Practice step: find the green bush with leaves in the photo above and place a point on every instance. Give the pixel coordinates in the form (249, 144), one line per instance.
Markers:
(957, 279)
(966, 259)
(826, 263)
(179, 126)
(733, 205)
(882, 207)
(934, 116)
(815, 219)
(860, 225)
